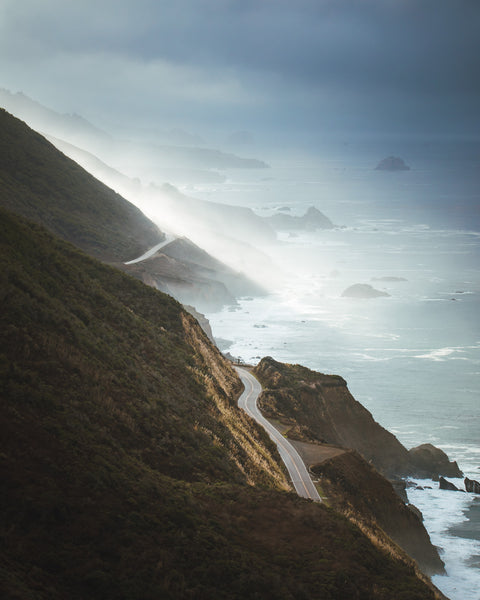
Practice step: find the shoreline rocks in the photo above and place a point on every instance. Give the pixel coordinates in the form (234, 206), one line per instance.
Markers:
(433, 462)
(471, 485)
(444, 484)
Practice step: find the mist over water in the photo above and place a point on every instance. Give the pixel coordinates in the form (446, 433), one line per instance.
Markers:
(413, 358)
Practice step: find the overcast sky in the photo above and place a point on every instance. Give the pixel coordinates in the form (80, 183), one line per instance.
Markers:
(292, 66)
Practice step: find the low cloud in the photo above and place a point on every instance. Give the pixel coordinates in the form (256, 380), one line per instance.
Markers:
(343, 64)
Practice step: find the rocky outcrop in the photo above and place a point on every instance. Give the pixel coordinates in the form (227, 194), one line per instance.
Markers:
(319, 408)
(444, 484)
(392, 163)
(356, 489)
(313, 219)
(432, 462)
(202, 321)
(363, 290)
(471, 485)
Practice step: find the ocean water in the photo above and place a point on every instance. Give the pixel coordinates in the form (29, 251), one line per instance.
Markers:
(412, 358)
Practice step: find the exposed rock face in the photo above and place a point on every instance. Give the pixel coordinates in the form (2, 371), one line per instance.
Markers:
(357, 490)
(392, 163)
(311, 220)
(202, 321)
(472, 486)
(363, 290)
(433, 462)
(447, 485)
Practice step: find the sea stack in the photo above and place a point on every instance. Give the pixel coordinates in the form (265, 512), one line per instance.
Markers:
(392, 163)
(363, 290)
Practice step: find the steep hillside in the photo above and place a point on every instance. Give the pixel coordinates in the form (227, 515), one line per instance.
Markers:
(358, 491)
(127, 469)
(193, 276)
(105, 340)
(40, 183)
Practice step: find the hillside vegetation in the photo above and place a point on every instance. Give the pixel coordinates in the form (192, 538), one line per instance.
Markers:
(40, 183)
(127, 469)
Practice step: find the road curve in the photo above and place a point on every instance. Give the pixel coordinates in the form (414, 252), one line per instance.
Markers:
(295, 465)
(168, 239)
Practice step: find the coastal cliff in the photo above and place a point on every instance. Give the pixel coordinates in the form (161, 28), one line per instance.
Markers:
(317, 409)
(357, 490)
(320, 408)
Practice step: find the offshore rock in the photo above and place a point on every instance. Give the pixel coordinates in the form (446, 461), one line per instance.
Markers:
(447, 485)
(312, 220)
(392, 163)
(472, 486)
(363, 290)
(433, 462)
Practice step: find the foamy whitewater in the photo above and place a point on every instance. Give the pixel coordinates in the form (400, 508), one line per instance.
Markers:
(413, 358)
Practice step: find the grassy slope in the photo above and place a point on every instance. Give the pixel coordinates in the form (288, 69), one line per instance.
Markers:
(358, 491)
(126, 464)
(39, 182)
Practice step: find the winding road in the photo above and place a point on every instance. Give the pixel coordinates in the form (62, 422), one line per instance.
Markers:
(296, 467)
(168, 239)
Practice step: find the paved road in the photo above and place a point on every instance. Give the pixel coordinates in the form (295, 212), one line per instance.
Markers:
(168, 238)
(295, 465)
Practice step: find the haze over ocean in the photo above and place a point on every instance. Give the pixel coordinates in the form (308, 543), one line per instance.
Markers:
(413, 359)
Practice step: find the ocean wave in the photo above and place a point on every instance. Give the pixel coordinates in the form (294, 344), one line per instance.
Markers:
(442, 354)
(442, 511)
(369, 357)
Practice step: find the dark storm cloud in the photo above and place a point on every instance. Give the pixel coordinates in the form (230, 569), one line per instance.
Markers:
(420, 58)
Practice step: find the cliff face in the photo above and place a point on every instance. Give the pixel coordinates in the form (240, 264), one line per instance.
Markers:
(320, 408)
(359, 492)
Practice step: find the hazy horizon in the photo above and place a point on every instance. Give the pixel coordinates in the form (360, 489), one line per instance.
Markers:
(280, 72)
